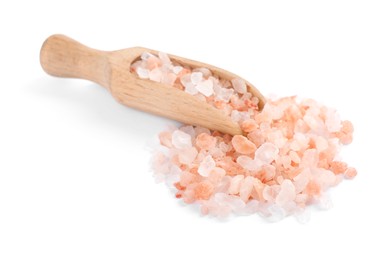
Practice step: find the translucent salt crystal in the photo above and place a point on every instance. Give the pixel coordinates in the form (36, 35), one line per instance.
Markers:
(267, 153)
(224, 94)
(332, 121)
(181, 140)
(205, 72)
(231, 201)
(235, 184)
(142, 73)
(206, 166)
(277, 213)
(196, 77)
(164, 58)
(246, 188)
(146, 55)
(188, 86)
(239, 85)
(310, 158)
(177, 69)
(273, 112)
(286, 194)
(251, 207)
(168, 78)
(187, 156)
(248, 163)
(321, 143)
(301, 180)
(188, 129)
(205, 87)
(155, 75)
(268, 193)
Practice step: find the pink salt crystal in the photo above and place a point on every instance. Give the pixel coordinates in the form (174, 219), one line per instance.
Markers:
(249, 125)
(205, 141)
(294, 157)
(216, 175)
(203, 190)
(181, 140)
(338, 167)
(153, 62)
(177, 69)
(239, 85)
(188, 86)
(235, 184)
(155, 75)
(350, 173)
(310, 158)
(268, 172)
(168, 78)
(224, 94)
(242, 145)
(196, 77)
(186, 178)
(249, 164)
(286, 194)
(142, 73)
(206, 166)
(166, 138)
(246, 188)
(164, 58)
(332, 121)
(187, 156)
(321, 143)
(269, 193)
(205, 87)
(267, 153)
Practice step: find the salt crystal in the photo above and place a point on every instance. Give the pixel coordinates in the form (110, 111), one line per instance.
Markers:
(205, 87)
(248, 163)
(246, 188)
(205, 72)
(188, 86)
(155, 75)
(224, 94)
(177, 69)
(206, 166)
(146, 55)
(187, 156)
(196, 77)
(142, 73)
(277, 213)
(164, 58)
(239, 85)
(181, 140)
(267, 153)
(235, 184)
(286, 194)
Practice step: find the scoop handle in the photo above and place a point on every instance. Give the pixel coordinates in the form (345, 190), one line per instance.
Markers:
(62, 56)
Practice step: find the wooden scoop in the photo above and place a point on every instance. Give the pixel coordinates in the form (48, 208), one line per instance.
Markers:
(62, 56)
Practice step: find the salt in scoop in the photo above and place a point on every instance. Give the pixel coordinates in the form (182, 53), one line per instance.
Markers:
(62, 56)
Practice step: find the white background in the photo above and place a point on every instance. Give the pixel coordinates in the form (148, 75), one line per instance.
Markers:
(74, 171)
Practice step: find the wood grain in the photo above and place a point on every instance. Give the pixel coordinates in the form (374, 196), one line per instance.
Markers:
(62, 56)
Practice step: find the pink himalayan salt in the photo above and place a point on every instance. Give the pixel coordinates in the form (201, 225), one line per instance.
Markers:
(285, 162)
(242, 145)
(205, 141)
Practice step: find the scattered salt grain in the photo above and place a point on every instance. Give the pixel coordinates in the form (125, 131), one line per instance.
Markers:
(286, 160)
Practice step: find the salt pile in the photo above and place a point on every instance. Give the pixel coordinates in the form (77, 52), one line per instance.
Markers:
(287, 160)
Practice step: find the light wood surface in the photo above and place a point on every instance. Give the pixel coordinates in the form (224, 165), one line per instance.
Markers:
(62, 56)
